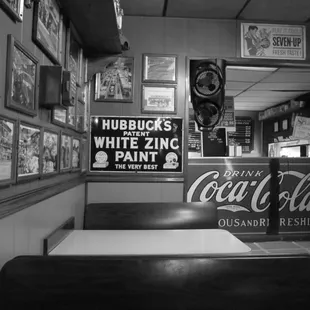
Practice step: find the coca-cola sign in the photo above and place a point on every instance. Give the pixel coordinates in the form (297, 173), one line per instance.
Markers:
(242, 192)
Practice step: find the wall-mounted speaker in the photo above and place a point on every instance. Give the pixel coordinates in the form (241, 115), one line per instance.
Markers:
(207, 89)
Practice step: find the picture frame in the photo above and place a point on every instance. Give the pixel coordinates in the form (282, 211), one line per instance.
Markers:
(14, 8)
(159, 99)
(71, 118)
(47, 29)
(159, 68)
(8, 149)
(285, 124)
(21, 78)
(76, 154)
(80, 114)
(59, 116)
(84, 154)
(115, 83)
(50, 152)
(65, 152)
(276, 126)
(29, 151)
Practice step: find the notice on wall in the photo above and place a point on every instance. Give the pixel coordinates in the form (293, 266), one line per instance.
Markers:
(301, 128)
(214, 143)
(228, 120)
(194, 137)
(273, 41)
(136, 144)
(243, 135)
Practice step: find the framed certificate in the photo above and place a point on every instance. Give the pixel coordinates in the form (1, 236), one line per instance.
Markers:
(159, 68)
(158, 99)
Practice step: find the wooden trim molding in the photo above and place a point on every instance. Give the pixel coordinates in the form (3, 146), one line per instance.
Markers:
(129, 179)
(25, 200)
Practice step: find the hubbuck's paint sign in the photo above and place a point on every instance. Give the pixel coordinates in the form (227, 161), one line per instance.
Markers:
(242, 190)
(136, 144)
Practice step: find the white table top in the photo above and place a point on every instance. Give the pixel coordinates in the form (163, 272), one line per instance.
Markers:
(150, 242)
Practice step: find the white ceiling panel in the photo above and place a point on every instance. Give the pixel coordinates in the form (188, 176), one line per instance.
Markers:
(277, 10)
(219, 9)
(237, 85)
(250, 107)
(246, 75)
(142, 7)
(302, 87)
(256, 99)
(233, 93)
(288, 77)
(269, 94)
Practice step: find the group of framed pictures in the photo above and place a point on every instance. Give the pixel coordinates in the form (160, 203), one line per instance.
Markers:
(279, 126)
(159, 83)
(28, 151)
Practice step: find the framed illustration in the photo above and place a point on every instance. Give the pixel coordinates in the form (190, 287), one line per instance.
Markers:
(159, 68)
(14, 8)
(7, 150)
(28, 151)
(158, 99)
(84, 155)
(47, 29)
(115, 83)
(59, 116)
(276, 126)
(76, 154)
(50, 157)
(65, 152)
(21, 78)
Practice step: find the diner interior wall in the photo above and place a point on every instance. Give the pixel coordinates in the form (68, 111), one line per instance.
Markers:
(257, 137)
(23, 232)
(23, 33)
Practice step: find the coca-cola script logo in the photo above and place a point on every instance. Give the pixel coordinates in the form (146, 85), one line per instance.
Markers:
(251, 195)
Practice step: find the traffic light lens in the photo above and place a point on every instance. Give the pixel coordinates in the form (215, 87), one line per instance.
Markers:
(207, 83)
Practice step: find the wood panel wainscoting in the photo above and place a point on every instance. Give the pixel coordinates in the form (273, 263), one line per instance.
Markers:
(39, 192)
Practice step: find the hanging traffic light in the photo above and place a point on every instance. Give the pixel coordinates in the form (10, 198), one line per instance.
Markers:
(207, 88)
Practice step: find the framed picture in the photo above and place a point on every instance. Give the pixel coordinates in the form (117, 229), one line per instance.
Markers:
(285, 124)
(276, 126)
(7, 150)
(21, 78)
(71, 116)
(84, 155)
(158, 99)
(47, 28)
(59, 116)
(50, 157)
(85, 64)
(80, 114)
(76, 154)
(14, 8)
(65, 152)
(115, 83)
(159, 68)
(28, 151)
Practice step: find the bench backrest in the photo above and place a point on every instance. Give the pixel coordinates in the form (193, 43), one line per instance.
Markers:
(50, 282)
(177, 215)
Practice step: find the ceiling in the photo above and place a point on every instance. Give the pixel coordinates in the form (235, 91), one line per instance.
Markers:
(252, 89)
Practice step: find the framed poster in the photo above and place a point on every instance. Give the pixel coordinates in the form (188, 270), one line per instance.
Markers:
(14, 8)
(65, 152)
(50, 156)
(7, 150)
(158, 99)
(84, 156)
(28, 151)
(273, 41)
(76, 154)
(285, 124)
(21, 78)
(115, 147)
(47, 29)
(59, 116)
(115, 83)
(159, 68)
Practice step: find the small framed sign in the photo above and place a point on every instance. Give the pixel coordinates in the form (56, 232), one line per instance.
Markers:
(65, 152)
(159, 68)
(14, 8)
(50, 156)
(158, 99)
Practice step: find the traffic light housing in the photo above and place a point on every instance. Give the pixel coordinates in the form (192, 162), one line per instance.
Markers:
(207, 89)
